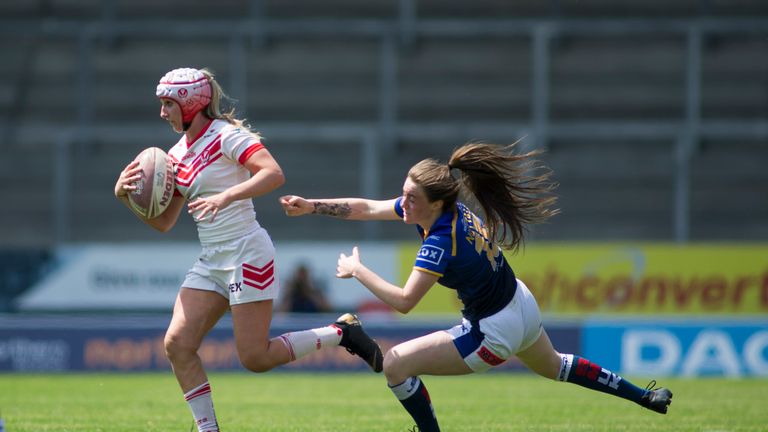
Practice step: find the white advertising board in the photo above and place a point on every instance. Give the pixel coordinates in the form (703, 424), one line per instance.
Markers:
(147, 276)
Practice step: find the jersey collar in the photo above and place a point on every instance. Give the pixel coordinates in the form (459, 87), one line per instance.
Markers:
(446, 218)
(199, 134)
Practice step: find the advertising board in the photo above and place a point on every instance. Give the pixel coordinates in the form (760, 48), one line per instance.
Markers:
(585, 279)
(703, 347)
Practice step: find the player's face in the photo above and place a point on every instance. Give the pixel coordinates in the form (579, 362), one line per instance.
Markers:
(170, 111)
(416, 207)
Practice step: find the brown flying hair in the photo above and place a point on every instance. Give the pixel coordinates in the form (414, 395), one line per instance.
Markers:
(512, 189)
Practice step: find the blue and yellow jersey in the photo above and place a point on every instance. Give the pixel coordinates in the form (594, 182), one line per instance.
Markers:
(457, 250)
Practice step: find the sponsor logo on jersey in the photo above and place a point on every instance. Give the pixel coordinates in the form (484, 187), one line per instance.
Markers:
(431, 254)
(190, 154)
(187, 173)
(205, 156)
(209, 133)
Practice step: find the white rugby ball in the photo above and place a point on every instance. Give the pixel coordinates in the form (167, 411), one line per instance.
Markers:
(155, 188)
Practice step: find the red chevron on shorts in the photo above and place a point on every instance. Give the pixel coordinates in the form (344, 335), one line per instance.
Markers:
(259, 277)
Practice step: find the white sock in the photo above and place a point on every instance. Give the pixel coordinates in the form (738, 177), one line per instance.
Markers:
(201, 404)
(566, 361)
(406, 389)
(301, 343)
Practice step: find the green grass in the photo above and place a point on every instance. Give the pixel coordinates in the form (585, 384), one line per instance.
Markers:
(362, 402)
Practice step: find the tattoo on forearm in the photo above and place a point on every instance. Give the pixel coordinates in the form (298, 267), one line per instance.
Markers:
(342, 210)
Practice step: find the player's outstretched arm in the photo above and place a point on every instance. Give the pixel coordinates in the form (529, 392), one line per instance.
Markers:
(342, 208)
(401, 299)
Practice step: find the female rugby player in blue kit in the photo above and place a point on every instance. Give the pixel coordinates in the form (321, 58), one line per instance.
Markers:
(461, 252)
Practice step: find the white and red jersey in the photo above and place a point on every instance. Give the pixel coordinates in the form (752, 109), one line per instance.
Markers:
(210, 164)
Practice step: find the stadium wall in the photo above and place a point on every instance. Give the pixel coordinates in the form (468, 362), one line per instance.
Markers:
(642, 309)
(568, 279)
(650, 347)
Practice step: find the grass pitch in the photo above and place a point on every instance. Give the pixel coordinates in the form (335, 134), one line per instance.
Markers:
(361, 402)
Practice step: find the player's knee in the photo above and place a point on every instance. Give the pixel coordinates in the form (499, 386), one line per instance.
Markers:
(550, 366)
(255, 365)
(175, 349)
(546, 366)
(393, 369)
(256, 362)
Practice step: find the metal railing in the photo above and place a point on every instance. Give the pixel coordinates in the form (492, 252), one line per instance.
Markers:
(380, 136)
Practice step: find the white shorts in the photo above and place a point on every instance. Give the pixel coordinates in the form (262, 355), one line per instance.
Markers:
(501, 335)
(242, 270)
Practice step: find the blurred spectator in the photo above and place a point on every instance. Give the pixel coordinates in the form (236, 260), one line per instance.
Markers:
(302, 294)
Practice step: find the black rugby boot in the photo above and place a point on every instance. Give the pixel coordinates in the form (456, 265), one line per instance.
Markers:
(357, 342)
(656, 399)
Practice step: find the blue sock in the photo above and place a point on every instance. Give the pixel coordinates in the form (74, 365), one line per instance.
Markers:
(583, 372)
(415, 399)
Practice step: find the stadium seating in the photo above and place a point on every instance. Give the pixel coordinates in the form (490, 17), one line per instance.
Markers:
(613, 187)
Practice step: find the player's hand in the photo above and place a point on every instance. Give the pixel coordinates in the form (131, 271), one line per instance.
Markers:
(208, 206)
(127, 180)
(295, 205)
(348, 265)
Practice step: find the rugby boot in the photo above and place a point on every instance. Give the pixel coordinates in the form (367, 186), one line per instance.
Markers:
(357, 342)
(656, 399)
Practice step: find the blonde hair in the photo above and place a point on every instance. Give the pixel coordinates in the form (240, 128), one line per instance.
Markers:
(214, 108)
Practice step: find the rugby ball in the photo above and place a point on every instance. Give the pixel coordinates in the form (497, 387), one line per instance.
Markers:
(155, 188)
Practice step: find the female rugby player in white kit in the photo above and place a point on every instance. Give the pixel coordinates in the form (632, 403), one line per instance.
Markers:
(500, 315)
(219, 166)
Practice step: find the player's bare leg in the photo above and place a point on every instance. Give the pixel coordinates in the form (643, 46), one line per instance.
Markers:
(257, 352)
(541, 357)
(194, 315)
(433, 354)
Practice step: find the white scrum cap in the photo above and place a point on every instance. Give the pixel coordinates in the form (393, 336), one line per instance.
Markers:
(187, 87)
